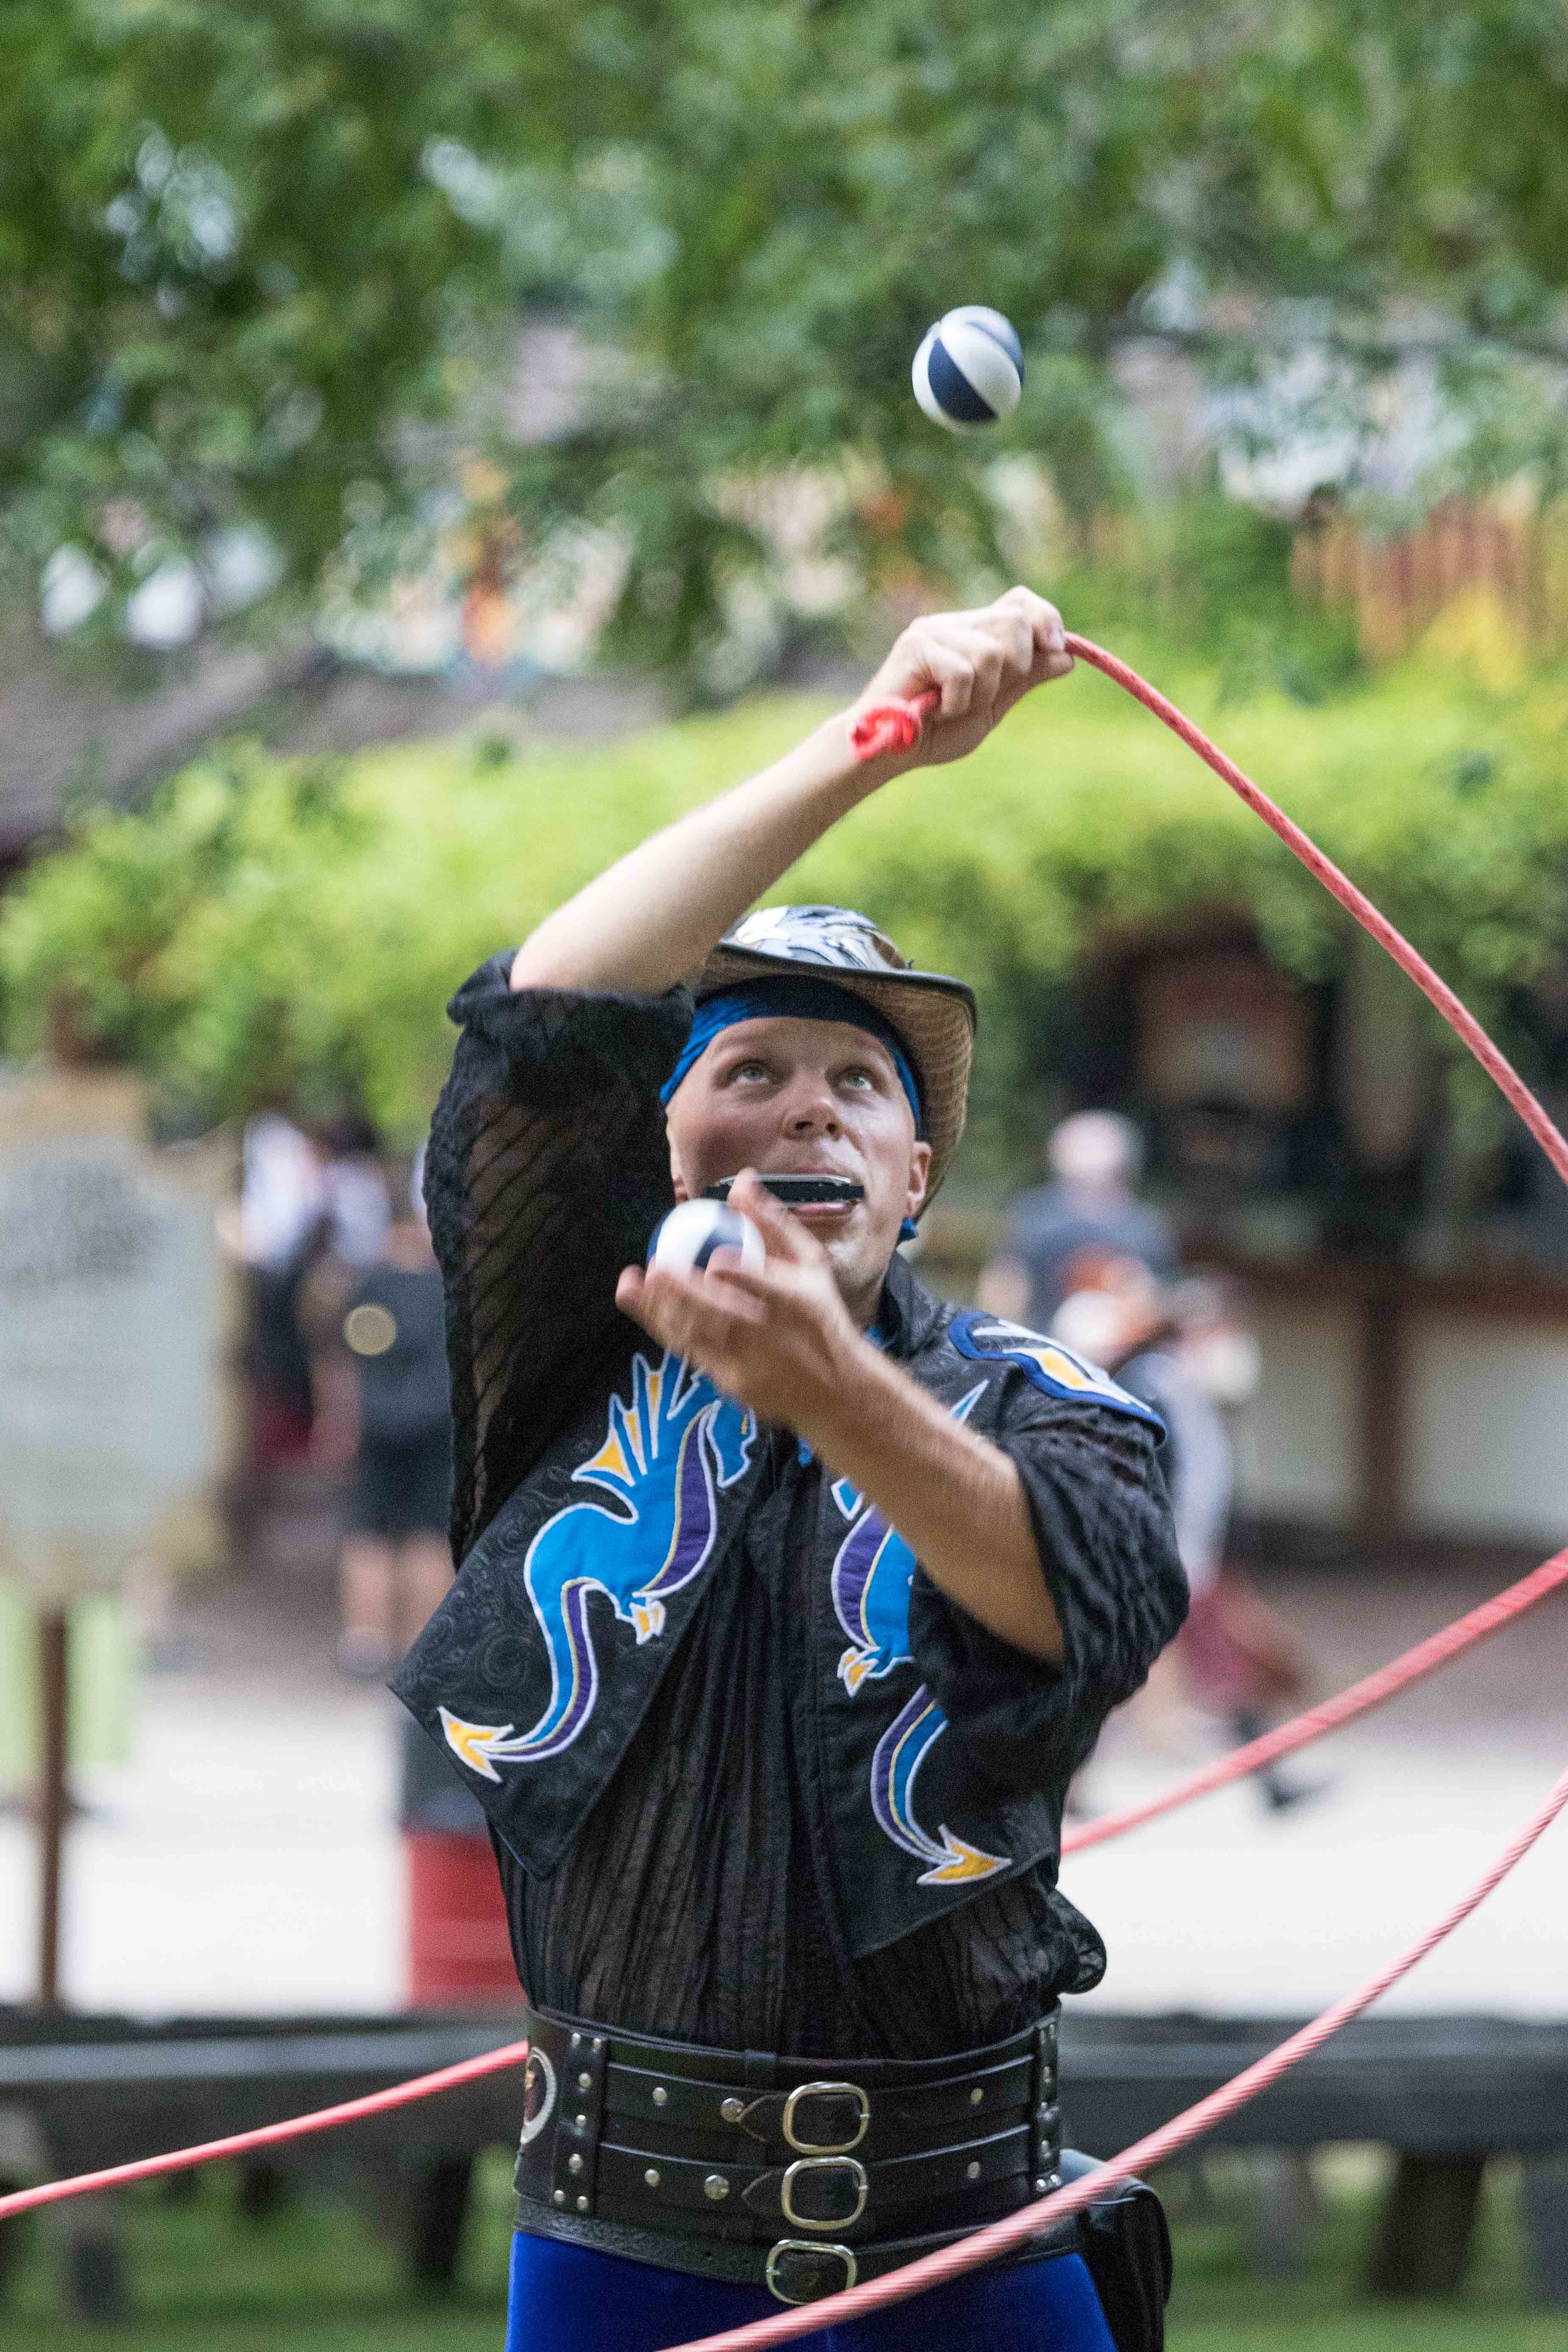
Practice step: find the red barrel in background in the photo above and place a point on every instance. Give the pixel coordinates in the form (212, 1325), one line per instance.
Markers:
(459, 1953)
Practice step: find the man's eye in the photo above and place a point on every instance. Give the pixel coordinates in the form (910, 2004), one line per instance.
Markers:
(750, 1070)
(858, 1076)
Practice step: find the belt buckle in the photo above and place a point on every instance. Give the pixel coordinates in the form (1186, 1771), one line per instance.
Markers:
(814, 2249)
(827, 2090)
(848, 2165)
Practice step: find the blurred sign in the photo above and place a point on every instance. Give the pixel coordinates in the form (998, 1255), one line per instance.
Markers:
(110, 1302)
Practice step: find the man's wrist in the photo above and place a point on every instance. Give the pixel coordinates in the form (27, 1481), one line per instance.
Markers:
(836, 738)
(847, 1398)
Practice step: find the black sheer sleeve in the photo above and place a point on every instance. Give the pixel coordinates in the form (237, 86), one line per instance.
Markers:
(546, 1172)
(1107, 1549)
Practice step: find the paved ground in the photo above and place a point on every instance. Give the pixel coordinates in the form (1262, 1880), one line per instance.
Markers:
(247, 1855)
(1226, 1907)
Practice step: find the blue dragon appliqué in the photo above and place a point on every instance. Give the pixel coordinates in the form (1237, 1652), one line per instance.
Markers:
(665, 1459)
(871, 1577)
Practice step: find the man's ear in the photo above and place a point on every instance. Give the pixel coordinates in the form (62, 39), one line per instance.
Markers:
(919, 1173)
(682, 1190)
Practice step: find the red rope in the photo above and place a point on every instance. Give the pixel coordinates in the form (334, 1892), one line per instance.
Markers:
(1374, 1690)
(349, 2111)
(897, 724)
(1156, 2147)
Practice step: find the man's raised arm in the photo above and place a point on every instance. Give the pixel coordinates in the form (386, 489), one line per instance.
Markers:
(658, 912)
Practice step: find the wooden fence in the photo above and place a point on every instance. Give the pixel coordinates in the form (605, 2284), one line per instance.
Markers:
(1514, 563)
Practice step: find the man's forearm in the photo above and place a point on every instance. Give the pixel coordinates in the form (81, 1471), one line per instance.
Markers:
(956, 1499)
(656, 913)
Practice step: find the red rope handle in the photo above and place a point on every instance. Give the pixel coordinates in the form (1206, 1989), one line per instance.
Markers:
(349, 2111)
(1374, 1690)
(1156, 2147)
(897, 726)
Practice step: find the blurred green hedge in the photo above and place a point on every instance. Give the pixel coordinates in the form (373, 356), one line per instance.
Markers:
(269, 930)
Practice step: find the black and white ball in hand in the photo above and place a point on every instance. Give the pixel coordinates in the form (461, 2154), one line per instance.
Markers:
(694, 1229)
(969, 370)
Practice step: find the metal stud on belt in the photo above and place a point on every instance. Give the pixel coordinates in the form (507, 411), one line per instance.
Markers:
(578, 2120)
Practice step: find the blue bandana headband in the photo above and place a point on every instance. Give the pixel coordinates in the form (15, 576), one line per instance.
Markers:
(794, 999)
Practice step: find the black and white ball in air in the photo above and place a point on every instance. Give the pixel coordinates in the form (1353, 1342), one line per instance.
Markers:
(695, 1229)
(969, 370)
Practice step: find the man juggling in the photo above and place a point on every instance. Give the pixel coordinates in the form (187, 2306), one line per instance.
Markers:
(789, 1597)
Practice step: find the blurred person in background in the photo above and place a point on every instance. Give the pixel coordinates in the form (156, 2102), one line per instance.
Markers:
(356, 1209)
(396, 1562)
(271, 1231)
(356, 1198)
(1185, 1350)
(304, 1192)
(1095, 1160)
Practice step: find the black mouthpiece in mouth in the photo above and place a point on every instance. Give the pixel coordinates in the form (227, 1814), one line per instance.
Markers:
(798, 1191)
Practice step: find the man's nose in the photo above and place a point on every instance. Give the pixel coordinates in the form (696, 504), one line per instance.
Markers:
(811, 1109)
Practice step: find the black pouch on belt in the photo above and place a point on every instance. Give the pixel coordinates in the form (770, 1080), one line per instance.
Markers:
(1126, 2248)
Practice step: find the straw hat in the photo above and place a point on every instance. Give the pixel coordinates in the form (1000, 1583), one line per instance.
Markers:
(934, 1015)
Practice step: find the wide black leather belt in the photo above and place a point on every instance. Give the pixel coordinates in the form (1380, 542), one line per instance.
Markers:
(741, 2164)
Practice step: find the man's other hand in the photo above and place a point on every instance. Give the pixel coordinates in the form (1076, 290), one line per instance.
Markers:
(781, 1341)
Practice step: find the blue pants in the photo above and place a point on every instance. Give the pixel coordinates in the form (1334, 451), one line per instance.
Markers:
(572, 2299)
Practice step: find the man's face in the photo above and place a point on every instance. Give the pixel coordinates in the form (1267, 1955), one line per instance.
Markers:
(807, 1098)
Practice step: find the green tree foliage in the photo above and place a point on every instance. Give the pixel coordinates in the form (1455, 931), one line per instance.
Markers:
(241, 246)
(226, 281)
(269, 930)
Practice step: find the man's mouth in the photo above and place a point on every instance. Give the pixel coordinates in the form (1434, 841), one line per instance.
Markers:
(827, 1213)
